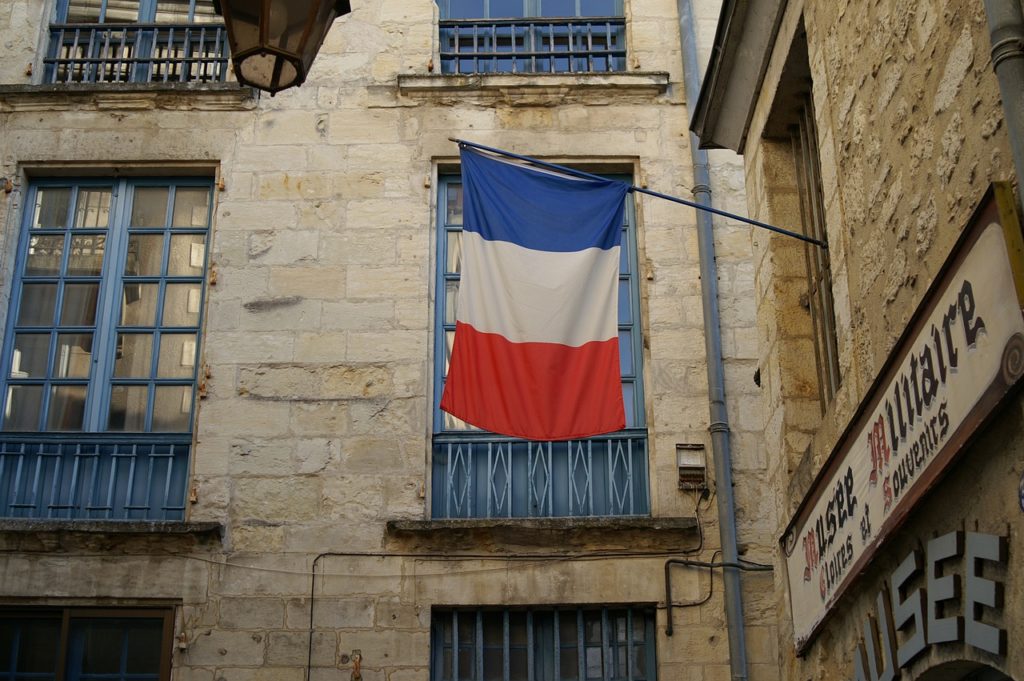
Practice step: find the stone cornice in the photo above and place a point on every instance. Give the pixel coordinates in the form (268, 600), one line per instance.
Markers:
(126, 97)
(559, 86)
(565, 534)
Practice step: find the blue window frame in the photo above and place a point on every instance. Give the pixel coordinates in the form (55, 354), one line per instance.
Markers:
(85, 644)
(116, 41)
(532, 36)
(553, 644)
(479, 474)
(101, 354)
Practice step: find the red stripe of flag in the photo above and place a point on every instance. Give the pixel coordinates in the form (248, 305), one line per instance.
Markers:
(549, 379)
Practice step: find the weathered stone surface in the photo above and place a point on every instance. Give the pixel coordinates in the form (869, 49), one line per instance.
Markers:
(315, 426)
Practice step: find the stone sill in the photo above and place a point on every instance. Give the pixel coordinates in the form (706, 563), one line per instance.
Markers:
(141, 528)
(622, 533)
(544, 84)
(127, 97)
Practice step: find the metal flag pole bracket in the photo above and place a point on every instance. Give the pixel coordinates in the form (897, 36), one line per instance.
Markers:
(641, 190)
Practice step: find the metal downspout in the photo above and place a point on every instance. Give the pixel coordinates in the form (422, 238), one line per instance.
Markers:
(719, 427)
(1006, 29)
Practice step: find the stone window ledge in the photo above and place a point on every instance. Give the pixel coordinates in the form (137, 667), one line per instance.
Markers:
(127, 97)
(141, 528)
(641, 83)
(622, 533)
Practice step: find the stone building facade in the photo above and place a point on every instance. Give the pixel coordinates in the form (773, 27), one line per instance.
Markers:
(222, 457)
(879, 129)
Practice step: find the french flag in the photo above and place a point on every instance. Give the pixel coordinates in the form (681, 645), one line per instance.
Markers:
(536, 350)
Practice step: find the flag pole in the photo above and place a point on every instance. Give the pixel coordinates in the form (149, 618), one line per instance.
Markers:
(634, 188)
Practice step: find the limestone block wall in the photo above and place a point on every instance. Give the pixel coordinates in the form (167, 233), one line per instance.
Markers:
(315, 428)
(910, 132)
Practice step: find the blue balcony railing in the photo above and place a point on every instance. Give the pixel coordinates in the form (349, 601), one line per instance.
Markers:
(93, 480)
(583, 45)
(137, 53)
(492, 477)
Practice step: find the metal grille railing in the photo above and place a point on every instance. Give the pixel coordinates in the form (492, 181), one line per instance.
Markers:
(137, 53)
(492, 477)
(96, 480)
(543, 644)
(583, 45)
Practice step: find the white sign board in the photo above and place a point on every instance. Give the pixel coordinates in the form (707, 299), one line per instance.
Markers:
(959, 357)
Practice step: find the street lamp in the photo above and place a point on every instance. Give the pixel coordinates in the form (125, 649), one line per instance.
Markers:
(274, 42)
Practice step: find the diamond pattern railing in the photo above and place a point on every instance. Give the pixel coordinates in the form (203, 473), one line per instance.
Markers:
(487, 476)
(93, 479)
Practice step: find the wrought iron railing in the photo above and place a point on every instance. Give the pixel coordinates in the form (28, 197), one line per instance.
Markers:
(583, 45)
(492, 477)
(137, 53)
(93, 480)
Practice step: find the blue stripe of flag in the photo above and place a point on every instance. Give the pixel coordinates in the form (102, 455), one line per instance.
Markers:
(539, 210)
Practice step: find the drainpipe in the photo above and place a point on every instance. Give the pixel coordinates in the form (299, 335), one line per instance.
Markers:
(1006, 29)
(719, 427)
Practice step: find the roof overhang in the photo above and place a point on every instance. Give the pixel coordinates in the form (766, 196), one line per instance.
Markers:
(739, 58)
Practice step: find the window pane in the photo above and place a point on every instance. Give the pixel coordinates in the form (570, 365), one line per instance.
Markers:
(134, 357)
(467, 665)
(145, 255)
(629, 402)
(191, 207)
(39, 641)
(145, 640)
(149, 208)
(122, 11)
(24, 403)
(128, 408)
(451, 301)
(37, 304)
(45, 256)
(465, 9)
(67, 407)
(96, 646)
(625, 304)
(86, 259)
(205, 14)
(626, 352)
(51, 211)
(639, 628)
(454, 210)
(93, 210)
(188, 255)
(558, 8)
(567, 633)
(601, 8)
(172, 408)
(569, 664)
(177, 355)
(639, 662)
(138, 306)
(454, 252)
(173, 12)
(493, 665)
(181, 305)
(494, 629)
(7, 631)
(31, 353)
(449, 342)
(74, 355)
(518, 663)
(501, 9)
(592, 627)
(79, 308)
(594, 662)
